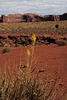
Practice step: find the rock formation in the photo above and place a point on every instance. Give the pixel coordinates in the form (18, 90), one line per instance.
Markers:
(32, 18)
(52, 18)
(63, 17)
(12, 18)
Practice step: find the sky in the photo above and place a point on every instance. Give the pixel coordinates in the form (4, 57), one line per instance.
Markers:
(41, 7)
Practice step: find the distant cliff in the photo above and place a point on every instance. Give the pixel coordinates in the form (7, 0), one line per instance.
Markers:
(31, 18)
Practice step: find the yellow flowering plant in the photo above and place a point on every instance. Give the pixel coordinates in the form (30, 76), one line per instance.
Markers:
(28, 52)
(33, 44)
(33, 38)
(30, 64)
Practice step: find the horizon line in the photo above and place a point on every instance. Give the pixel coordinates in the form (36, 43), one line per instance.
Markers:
(31, 13)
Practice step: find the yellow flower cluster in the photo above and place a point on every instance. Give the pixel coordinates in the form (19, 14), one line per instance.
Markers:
(33, 38)
(28, 52)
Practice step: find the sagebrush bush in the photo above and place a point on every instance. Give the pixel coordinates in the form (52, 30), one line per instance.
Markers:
(6, 50)
(61, 43)
(0, 45)
(34, 89)
(16, 45)
(26, 41)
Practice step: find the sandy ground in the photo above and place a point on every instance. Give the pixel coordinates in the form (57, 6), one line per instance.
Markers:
(50, 58)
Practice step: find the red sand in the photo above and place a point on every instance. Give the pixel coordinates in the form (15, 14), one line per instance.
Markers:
(50, 57)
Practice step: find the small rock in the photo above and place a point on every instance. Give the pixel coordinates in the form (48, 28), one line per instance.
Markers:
(24, 67)
(60, 84)
(41, 70)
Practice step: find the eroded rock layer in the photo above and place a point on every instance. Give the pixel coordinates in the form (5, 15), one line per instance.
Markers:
(32, 18)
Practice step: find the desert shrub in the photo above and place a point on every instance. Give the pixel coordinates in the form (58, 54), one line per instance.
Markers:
(1, 45)
(22, 90)
(16, 45)
(57, 26)
(11, 45)
(5, 50)
(61, 43)
(5, 45)
(38, 43)
(26, 41)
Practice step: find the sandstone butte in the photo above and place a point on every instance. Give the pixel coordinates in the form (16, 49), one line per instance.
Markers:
(29, 17)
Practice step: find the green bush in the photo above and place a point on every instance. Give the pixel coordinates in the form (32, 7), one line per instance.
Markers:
(61, 43)
(57, 26)
(26, 41)
(6, 50)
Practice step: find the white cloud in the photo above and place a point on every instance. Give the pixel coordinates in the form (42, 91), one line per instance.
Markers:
(33, 6)
(7, 0)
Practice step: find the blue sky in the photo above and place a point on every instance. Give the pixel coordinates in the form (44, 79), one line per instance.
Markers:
(41, 7)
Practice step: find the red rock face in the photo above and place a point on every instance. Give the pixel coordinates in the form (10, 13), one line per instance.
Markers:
(3, 18)
(32, 18)
(0, 19)
(63, 17)
(52, 17)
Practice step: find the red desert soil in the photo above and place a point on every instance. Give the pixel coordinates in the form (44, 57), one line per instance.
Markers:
(50, 57)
